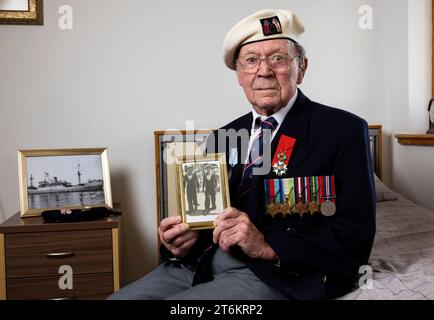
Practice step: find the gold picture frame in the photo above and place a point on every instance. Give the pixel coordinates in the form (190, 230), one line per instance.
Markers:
(203, 190)
(20, 12)
(51, 179)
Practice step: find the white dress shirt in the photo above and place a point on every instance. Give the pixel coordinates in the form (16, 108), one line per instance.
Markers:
(279, 116)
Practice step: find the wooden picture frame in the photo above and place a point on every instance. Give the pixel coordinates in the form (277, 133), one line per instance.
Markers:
(202, 189)
(169, 145)
(52, 179)
(29, 12)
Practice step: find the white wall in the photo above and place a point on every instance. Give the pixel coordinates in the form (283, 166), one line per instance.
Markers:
(131, 67)
(413, 166)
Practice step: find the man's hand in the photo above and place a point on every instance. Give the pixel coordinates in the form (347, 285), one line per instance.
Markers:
(176, 236)
(233, 227)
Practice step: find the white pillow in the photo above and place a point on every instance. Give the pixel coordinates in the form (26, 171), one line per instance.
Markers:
(384, 193)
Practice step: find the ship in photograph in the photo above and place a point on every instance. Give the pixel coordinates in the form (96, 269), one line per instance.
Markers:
(56, 185)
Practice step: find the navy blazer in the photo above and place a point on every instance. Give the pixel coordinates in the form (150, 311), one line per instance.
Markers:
(319, 256)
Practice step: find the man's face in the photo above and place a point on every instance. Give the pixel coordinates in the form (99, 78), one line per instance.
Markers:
(268, 90)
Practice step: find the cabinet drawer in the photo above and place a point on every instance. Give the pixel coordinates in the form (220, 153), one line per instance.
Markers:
(95, 286)
(42, 253)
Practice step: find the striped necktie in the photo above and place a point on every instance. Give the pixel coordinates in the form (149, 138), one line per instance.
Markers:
(257, 150)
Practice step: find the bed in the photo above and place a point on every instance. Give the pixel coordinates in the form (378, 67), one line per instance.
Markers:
(402, 258)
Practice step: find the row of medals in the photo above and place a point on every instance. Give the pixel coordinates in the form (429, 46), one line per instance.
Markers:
(327, 208)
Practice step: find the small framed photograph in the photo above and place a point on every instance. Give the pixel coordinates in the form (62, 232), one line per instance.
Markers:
(203, 190)
(63, 178)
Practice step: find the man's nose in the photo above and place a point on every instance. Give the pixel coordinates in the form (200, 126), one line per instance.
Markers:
(264, 70)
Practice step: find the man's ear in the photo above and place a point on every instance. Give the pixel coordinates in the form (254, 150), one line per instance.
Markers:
(302, 70)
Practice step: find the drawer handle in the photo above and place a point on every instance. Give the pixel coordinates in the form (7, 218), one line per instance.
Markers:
(69, 298)
(60, 254)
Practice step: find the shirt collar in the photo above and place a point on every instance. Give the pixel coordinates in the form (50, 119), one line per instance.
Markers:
(279, 115)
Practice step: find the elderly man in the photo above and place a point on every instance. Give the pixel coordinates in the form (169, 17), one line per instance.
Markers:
(301, 228)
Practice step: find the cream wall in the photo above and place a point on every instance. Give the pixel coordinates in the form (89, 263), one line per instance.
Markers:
(413, 166)
(131, 67)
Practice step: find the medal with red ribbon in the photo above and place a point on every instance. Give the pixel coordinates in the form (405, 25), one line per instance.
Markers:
(282, 155)
(327, 195)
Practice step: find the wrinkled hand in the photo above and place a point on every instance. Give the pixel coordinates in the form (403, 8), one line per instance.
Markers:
(233, 227)
(176, 236)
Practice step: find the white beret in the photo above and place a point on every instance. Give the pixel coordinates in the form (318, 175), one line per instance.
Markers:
(262, 25)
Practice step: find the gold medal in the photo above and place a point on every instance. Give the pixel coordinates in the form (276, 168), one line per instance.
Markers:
(286, 208)
(301, 208)
(313, 208)
(273, 209)
(294, 209)
(278, 208)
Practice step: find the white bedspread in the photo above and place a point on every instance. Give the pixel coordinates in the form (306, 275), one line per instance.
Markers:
(403, 254)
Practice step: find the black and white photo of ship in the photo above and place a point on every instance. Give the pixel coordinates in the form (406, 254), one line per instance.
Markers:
(55, 185)
(82, 187)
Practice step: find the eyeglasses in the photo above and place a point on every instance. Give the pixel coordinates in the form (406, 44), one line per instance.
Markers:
(277, 62)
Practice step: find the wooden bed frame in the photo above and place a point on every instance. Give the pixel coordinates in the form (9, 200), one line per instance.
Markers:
(375, 137)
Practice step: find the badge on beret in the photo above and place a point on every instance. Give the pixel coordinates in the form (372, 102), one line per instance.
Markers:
(271, 26)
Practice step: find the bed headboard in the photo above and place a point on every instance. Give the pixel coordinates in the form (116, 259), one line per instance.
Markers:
(375, 138)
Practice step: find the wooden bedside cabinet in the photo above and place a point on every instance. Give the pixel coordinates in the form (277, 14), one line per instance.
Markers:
(78, 260)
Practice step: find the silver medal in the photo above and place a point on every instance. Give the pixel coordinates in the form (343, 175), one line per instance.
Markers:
(328, 208)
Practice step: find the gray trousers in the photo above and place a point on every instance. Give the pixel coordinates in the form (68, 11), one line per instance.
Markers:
(172, 281)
